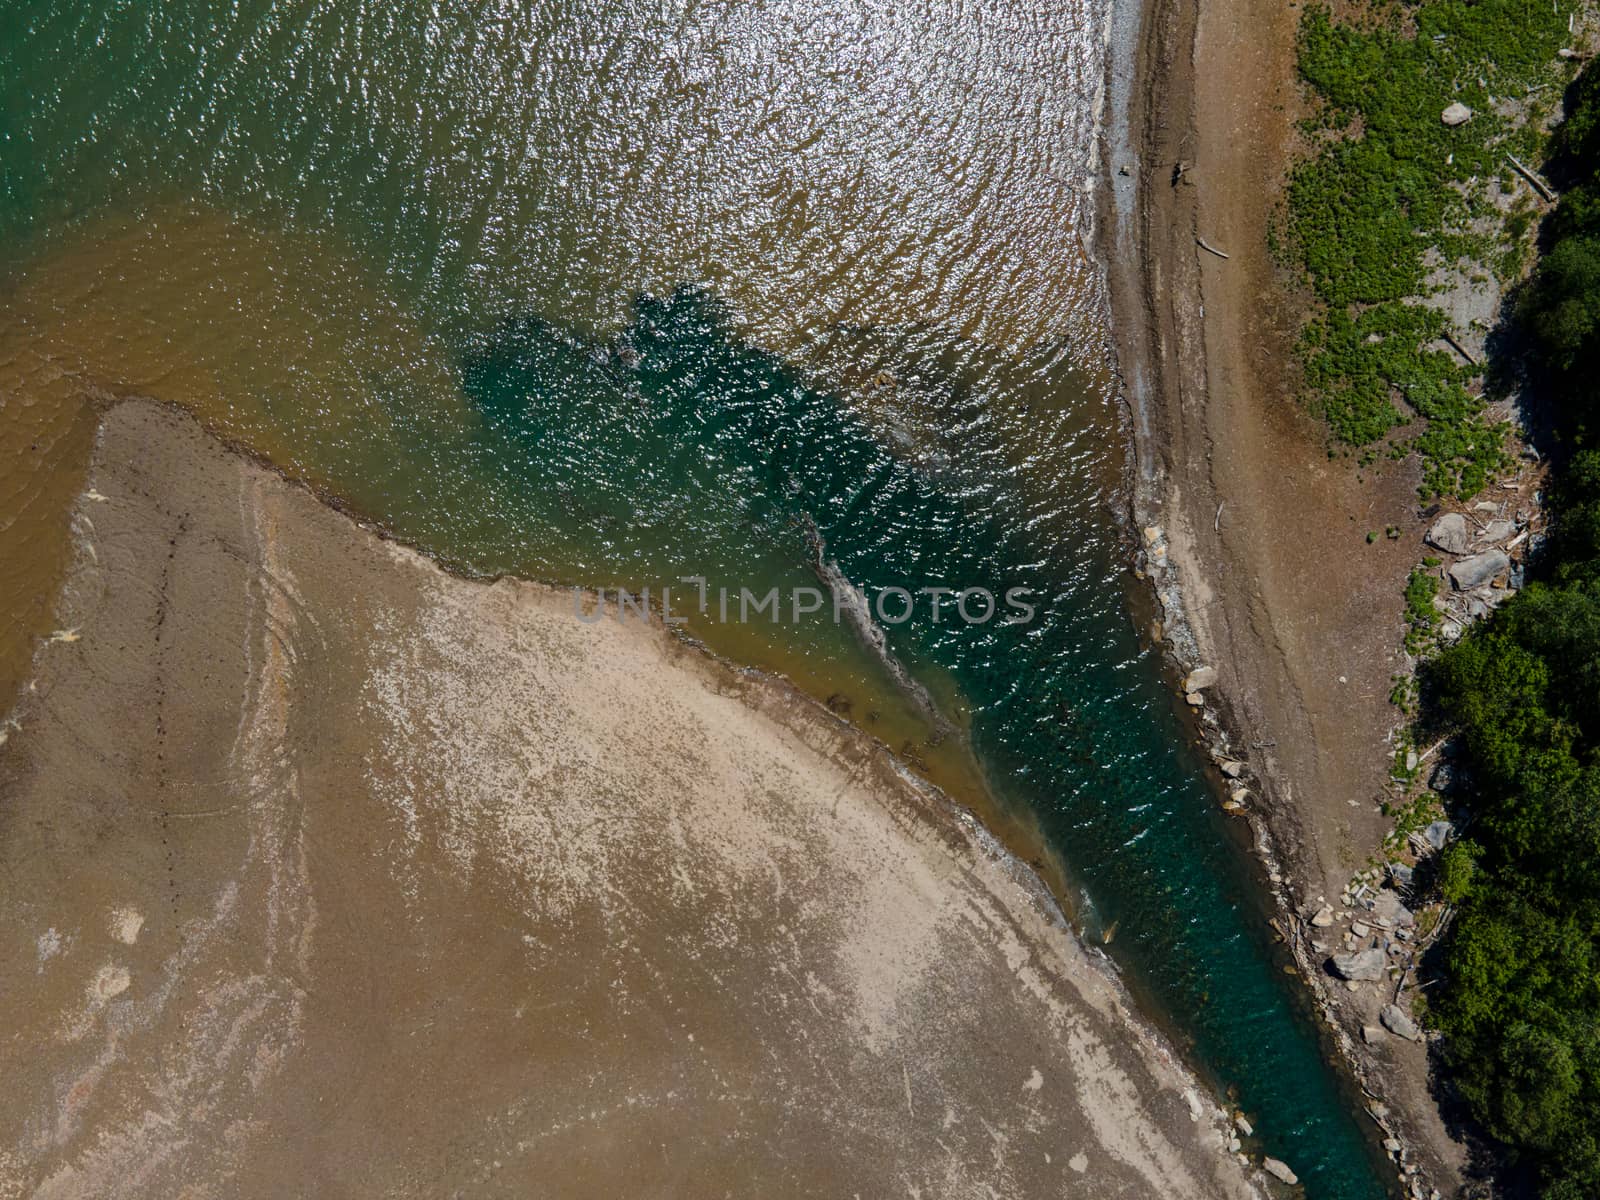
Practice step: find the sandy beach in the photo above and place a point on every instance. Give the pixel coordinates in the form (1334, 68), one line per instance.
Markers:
(1253, 539)
(333, 873)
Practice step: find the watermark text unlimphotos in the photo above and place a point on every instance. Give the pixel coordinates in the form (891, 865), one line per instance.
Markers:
(777, 606)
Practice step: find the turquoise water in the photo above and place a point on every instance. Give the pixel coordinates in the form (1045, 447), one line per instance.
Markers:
(618, 294)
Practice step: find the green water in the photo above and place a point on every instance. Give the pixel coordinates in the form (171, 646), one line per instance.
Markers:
(616, 294)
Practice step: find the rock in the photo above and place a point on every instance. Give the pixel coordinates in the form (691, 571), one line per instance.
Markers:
(1390, 909)
(1152, 534)
(1439, 833)
(1194, 699)
(1566, 52)
(1323, 917)
(1233, 769)
(1449, 533)
(1243, 1125)
(1479, 569)
(1497, 531)
(1364, 966)
(1412, 760)
(1444, 778)
(1199, 679)
(1457, 114)
(1401, 874)
(1391, 1145)
(1359, 929)
(1372, 1034)
(1235, 1145)
(1280, 1170)
(1398, 1022)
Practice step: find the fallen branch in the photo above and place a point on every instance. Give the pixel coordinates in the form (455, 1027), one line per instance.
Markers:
(1539, 185)
(1207, 246)
(1460, 349)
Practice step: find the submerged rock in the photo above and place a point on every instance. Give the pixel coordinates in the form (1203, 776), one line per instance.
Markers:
(1477, 570)
(1449, 533)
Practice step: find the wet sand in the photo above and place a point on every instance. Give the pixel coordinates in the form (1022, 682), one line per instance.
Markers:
(330, 873)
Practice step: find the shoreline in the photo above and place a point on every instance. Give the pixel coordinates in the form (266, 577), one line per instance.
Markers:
(1185, 321)
(325, 838)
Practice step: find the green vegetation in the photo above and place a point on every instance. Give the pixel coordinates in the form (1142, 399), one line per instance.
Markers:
(1422, 618)
(1392, 192)
(1521, 1005)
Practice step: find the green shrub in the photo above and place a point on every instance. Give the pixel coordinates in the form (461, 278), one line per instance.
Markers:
(1521, 1005)
(1390, 191)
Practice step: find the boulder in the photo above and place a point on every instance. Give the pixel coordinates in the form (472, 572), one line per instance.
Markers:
(1401, 874)
(1439, 833)
(1279, 1170)
(1398, 1022)
(1449, 533)
(1477, 570)
(1364, 966)
(1456, 114)
(1389, 909)
(1233, 768)
(1444, 778)
(1243, 1125)
(1490, 597)
(1194, 699)
(1497, 531)
(1372, 1034)
(1323, 917)
(1199, 679)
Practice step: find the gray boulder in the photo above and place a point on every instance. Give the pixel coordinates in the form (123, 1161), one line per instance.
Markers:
(1479, 569)
(1279, 1170)
(1364, 966)
(1398, 1022)
(1456, 114)
(1389, 908)
(1497, 531)
(1439, 833)
(1449, 533)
